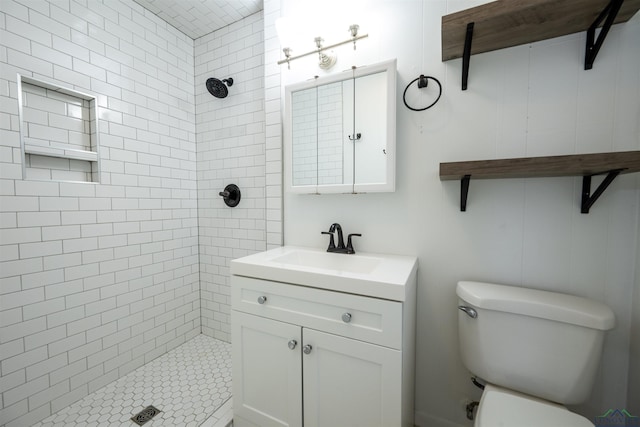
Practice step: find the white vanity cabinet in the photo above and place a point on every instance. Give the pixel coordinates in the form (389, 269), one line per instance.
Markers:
(307, 356)
(266, 372)
(350, 382)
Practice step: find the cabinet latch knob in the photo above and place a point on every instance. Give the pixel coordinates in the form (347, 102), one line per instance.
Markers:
(262, 299)
(307, 349)
(292, 344)
(346, 317)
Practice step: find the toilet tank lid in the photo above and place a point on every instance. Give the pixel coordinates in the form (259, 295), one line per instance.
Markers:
(537, 303)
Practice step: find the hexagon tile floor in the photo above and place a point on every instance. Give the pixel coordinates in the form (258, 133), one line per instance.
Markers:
(191, 385)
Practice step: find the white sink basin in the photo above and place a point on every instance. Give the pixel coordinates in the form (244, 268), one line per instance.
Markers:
(382, 276)
(330, 261)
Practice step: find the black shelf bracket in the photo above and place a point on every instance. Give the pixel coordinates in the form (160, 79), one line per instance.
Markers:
(593, 45)
(464, 192)
(589, 199)
(466, 54)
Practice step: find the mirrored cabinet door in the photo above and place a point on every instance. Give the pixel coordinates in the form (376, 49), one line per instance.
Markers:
(340, 132)
(370, 127)
(304, 124)
(332, 125)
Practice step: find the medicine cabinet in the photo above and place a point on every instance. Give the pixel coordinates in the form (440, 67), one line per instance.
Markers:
(340, 132)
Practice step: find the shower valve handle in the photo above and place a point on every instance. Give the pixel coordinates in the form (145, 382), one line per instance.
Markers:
(231, 195)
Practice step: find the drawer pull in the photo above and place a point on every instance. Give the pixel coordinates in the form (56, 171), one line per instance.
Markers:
(292, 344)
(262, 299)
(346, 317)
(306, 349)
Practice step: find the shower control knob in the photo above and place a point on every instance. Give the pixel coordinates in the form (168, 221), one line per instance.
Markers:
(306, 349)
(262, 299)
(346, 317)
(292, 344)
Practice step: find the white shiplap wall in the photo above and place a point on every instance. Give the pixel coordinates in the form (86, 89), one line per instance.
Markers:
(529, 100)
(96, 279)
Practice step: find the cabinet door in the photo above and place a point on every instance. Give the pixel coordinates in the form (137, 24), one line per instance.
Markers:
(267, 377)
(350, 383)
(371, 123)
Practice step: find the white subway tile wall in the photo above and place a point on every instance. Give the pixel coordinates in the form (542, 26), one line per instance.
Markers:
(53, 119)
(273, 125)
(97, 279)
(231, 150)
(42, 167)
(59, 133)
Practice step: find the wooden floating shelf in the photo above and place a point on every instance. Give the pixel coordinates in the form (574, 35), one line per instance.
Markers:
(532, 167)
(586, 165)
(506, 23)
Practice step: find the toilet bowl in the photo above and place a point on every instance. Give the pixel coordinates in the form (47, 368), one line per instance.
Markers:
(500, 407)
(536, 350)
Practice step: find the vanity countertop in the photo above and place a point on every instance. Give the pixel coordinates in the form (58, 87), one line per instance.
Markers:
(369, 274)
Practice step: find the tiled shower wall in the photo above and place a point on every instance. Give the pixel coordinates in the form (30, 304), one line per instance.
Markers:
(97, 279)
(231, 150)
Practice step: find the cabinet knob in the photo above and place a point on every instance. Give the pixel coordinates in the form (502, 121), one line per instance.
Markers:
(346, 317)
(292, 344)
(262, 299)
(306, 349)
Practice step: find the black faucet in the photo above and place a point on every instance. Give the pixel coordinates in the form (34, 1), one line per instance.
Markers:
(341, 248)
(350, 249)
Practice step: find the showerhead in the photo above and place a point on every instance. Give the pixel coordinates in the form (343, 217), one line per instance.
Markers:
(218, 88)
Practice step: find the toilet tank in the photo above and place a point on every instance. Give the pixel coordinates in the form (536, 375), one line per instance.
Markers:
(540, 343)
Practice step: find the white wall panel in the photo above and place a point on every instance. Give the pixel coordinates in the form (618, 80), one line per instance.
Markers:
(529, 100)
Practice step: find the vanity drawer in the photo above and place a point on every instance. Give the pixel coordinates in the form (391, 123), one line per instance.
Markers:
(368, 319)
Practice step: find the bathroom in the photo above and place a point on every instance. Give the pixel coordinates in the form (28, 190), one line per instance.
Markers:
(141, 260)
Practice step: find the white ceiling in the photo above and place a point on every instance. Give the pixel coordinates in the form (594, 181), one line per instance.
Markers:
(196, 18)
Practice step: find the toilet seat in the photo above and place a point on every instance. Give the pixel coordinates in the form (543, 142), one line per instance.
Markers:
(501, 407)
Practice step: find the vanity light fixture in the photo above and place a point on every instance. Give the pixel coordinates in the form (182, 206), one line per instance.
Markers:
(326, 59)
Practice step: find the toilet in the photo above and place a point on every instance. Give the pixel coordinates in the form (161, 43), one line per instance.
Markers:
(535, 350)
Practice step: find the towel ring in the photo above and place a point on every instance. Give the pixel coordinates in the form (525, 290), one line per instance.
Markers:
(422, 82)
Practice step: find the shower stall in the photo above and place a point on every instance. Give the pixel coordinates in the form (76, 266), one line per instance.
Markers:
(121, 279)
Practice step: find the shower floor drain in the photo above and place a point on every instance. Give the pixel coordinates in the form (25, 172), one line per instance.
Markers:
(145, 415)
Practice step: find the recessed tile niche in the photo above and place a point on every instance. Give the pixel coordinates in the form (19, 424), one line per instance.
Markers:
(58, 132)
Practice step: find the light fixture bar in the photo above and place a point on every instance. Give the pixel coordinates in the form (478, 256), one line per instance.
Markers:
(316, 51)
